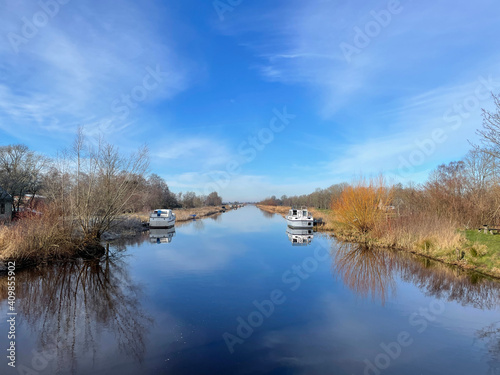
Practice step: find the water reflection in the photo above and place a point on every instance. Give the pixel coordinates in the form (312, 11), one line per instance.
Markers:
(161, 235)
(82, 308)
(366, 271)
(490, 335)
(267, 214)
(299, 237)
(372, 271)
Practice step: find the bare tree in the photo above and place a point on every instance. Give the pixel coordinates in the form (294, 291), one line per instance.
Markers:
(104, 182)
(490, 133)
(21, 172)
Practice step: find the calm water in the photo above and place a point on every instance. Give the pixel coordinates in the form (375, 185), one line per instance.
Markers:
(234, 295)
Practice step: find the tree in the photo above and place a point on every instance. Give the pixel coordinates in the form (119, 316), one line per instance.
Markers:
(21, 172)
(104, 182)
(158, 194)
(490, 133)
(213, 199)
(361, 206)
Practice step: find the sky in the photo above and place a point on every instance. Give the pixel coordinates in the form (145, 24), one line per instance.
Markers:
(253, 98)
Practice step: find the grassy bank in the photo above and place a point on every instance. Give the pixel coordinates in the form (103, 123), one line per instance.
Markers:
(419, 234)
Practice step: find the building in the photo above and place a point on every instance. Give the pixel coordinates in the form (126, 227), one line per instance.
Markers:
(5, 206)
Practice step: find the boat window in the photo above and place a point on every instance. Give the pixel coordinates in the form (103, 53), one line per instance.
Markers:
(304, 213)
(294, 212)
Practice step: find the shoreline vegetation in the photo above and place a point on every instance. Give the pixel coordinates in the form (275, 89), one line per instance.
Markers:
(68, 207)
(440, 218)
(41, 233)
(442, 242)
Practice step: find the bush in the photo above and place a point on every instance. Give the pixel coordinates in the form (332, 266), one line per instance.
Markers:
(37, 238)
(363, 206)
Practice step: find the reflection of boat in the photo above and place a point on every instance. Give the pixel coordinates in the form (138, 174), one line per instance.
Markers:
(300, 237)
(161, 219)
(162, 235)
(299, 218)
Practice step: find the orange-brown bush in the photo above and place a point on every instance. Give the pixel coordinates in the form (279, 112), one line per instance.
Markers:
(363, 206)
(35, 239)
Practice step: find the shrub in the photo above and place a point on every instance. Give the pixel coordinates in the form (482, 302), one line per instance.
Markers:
(37, 238)
(363, 206)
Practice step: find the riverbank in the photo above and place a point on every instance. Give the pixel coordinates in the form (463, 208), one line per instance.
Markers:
(184, 214)
(437, 240)
(49, 239)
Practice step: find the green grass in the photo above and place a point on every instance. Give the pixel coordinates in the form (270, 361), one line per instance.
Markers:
(491, 241)
(489, 261)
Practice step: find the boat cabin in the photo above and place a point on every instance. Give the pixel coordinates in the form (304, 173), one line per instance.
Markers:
(161, 213)
(295, 212)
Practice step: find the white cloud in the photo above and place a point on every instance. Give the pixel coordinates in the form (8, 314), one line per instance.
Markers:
(81, 63)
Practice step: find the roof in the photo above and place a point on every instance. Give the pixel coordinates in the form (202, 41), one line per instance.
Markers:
(4, 196)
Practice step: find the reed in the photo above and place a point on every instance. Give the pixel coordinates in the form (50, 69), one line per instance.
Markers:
(38, 239)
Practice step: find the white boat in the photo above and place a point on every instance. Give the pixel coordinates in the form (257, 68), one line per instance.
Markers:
(300, 237)
(161, 235)
(161, 219)
(299, 218)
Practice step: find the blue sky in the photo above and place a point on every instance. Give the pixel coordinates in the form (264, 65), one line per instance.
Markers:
(255, 98)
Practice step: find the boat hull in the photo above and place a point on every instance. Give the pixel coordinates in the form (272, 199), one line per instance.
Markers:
(161, 222)
(299, 223)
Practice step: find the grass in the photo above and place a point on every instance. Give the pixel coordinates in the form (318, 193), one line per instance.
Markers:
(36, 240)
(483, 251)
(424, 235)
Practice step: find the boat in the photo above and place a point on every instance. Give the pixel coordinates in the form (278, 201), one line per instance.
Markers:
(299, 218)
(300, 237)
(161, 235)
(160, 218)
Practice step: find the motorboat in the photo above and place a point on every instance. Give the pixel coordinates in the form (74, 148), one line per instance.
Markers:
(299, 218)
(161, 219)
(161, 235)
(300, 237)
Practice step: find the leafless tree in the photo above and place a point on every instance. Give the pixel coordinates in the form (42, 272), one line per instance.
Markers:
(21, 172)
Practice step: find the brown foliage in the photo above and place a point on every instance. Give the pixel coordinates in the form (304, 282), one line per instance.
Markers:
(363, 205)
(38, 238)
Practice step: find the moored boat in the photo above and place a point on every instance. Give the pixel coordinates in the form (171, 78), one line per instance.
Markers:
(299, 218)
(161, 219)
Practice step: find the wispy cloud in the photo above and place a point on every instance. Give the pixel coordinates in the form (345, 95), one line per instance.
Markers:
(81, 63)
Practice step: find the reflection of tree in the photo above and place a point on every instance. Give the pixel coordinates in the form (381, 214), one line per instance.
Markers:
(267, 214)
(216, 217)
(366, 271)
(72, 304)
(372, 271)
(199, 225)
(449, 282)
(491, 334)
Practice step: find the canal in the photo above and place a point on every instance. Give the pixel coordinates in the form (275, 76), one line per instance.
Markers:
(238, 294)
